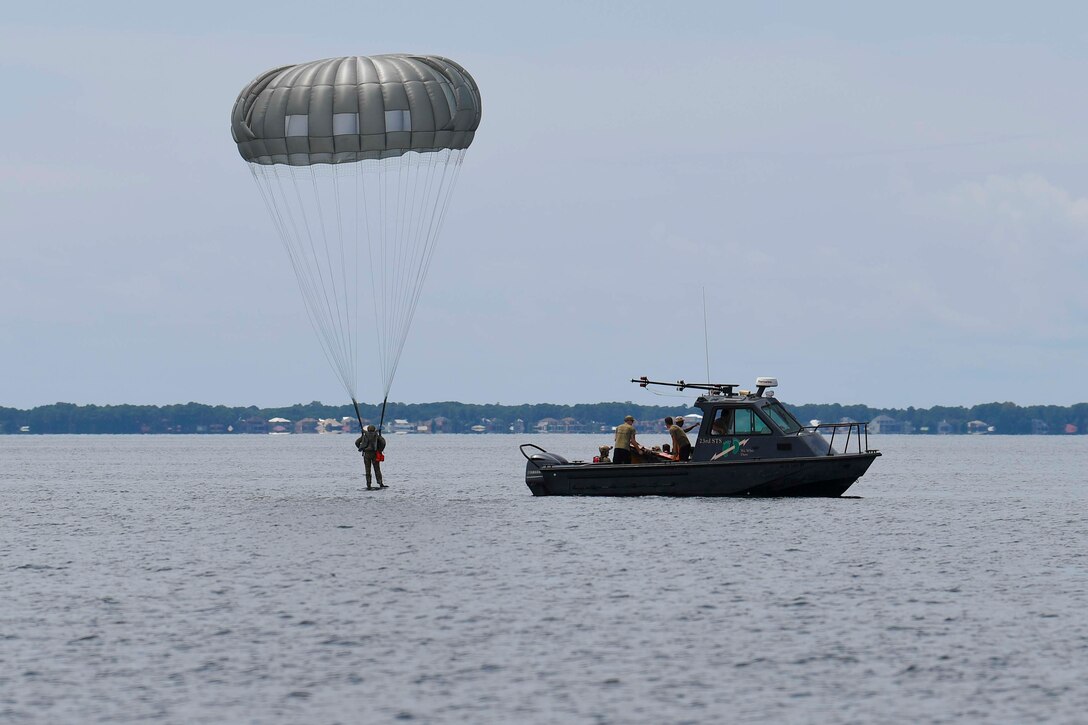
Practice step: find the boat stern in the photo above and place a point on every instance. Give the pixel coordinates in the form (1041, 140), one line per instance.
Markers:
(535, 461)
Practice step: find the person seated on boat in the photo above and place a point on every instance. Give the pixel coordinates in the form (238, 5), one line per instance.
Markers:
(666, 449)
(720, 426)
(680, 442)
(625, 441)
(603, 457)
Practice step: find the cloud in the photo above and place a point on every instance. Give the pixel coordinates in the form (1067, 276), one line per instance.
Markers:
(59, 178)
(1009, 260)
(1022, 207)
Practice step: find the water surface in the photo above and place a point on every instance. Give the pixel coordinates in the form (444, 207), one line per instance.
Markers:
(250, 579)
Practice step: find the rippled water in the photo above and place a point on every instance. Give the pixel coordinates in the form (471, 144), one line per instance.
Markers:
(248, 579)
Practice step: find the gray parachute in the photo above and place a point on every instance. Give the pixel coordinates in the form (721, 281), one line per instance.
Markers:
(356, 160)
(342, 110)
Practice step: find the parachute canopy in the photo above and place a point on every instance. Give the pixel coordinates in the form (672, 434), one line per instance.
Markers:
(342, 110)
(356, 159)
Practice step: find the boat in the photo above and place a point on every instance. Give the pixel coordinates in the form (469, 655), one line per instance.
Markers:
(748, 444)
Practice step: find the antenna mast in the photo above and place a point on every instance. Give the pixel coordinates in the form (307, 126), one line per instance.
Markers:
(706, 337)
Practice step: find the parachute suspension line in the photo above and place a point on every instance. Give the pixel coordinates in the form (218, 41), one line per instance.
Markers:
(303, 274)
(361, 191)
(422, 243)
(355, 275)
(390, 179)
(291, 219)
(393, 214)
(380, 293)
(316, 278)
(397, 218)
(438, 217)
(351, 275)
(403, 201)
(428, 241)
(434, 199)
(349, 294)
(406, 179)
(400, 207)
(410, 244)
(341, 328)
(318, 295)
(422, 236)
(381, 423)
(273, 211)
(402, 215)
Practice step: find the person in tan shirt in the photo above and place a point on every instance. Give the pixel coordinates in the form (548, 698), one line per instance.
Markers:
(681, 444)
(625, 441)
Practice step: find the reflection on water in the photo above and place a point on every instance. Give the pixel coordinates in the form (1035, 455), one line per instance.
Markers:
(248, 578)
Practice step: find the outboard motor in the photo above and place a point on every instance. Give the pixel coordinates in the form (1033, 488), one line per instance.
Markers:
(534, 479)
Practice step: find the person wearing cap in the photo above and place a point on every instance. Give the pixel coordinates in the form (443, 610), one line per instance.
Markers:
(680, 442)
(603, 457)
(370, 444)
(625, 441)
(668, 429)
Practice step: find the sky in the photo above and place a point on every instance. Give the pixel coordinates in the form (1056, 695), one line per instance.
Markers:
(880, 205)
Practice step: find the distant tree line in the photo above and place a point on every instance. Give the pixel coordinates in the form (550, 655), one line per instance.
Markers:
(198, 417)
(1006, 418)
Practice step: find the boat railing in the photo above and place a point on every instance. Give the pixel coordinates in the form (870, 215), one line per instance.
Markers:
(523, 446)
(855, 433)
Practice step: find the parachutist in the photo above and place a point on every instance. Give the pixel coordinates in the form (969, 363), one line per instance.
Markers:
(372, 444)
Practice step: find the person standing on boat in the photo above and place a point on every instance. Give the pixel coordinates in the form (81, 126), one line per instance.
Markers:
(371, 444)
(680, 442)
(625, 441)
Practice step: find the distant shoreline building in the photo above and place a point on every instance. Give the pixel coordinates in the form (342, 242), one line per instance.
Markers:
(887, 425)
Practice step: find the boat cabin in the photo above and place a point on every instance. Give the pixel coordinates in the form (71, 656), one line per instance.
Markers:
(744, 425)
(740, 424)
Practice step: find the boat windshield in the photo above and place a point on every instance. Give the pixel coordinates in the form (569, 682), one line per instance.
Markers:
(782, 417)
(738, 421)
